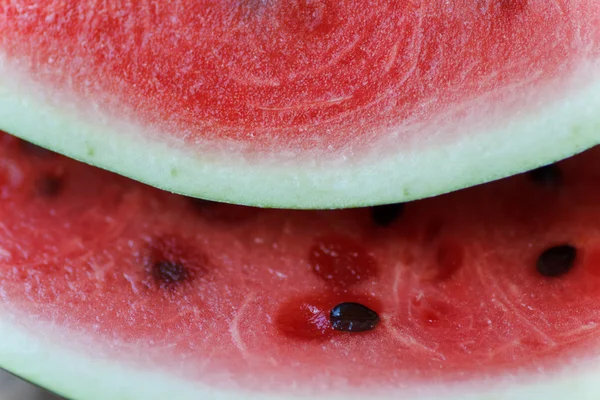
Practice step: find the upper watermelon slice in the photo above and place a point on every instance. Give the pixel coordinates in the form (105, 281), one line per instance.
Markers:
(304, 103)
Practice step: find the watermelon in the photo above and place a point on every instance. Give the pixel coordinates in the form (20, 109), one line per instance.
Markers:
(304, 103)
(110, 289)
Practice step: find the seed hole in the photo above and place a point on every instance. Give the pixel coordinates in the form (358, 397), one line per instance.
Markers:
(549, 176)
(385, 215)
(168, 272)
(556, 261)
(304, 319)
(49, 185)
(312, 317)
(171, 261)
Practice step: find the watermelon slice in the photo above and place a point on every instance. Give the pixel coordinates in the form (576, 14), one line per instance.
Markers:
(304, 103)
(114, 290)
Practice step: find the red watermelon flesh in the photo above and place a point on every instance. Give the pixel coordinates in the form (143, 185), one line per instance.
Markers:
(304, 103)
(111, 288)
(278, 65)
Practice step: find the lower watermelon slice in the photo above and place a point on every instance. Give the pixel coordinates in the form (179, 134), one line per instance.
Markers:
(110, 289)
(304, 103)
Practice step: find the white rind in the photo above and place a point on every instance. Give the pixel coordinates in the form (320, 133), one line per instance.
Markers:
(492, 147)
(37, 352)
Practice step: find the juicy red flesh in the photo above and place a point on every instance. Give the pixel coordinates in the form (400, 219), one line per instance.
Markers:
(309, 74)
(204, 289)
(341, 262)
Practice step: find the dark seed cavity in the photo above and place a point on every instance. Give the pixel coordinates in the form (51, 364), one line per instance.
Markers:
(49, 185)
(549, 176)
(385, 215)
(304, 319)
(172, 262)
(557, 260)
(353, 317)
(168, 272)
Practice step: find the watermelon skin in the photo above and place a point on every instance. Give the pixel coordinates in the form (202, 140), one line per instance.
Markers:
(304, 104)
(125, 291)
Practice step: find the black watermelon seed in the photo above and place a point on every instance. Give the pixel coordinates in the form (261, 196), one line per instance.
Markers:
(548, 176)
(168, 272)
(557, 260)
(353, 317)
(386, 214)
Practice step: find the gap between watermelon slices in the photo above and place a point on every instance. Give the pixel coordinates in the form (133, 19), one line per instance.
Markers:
(304, 104)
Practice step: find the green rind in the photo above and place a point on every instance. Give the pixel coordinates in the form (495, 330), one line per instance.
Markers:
(488, 150)
(37, 352)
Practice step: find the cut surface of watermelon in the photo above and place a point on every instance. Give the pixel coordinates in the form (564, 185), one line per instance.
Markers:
(300, 103)
(113, 289)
